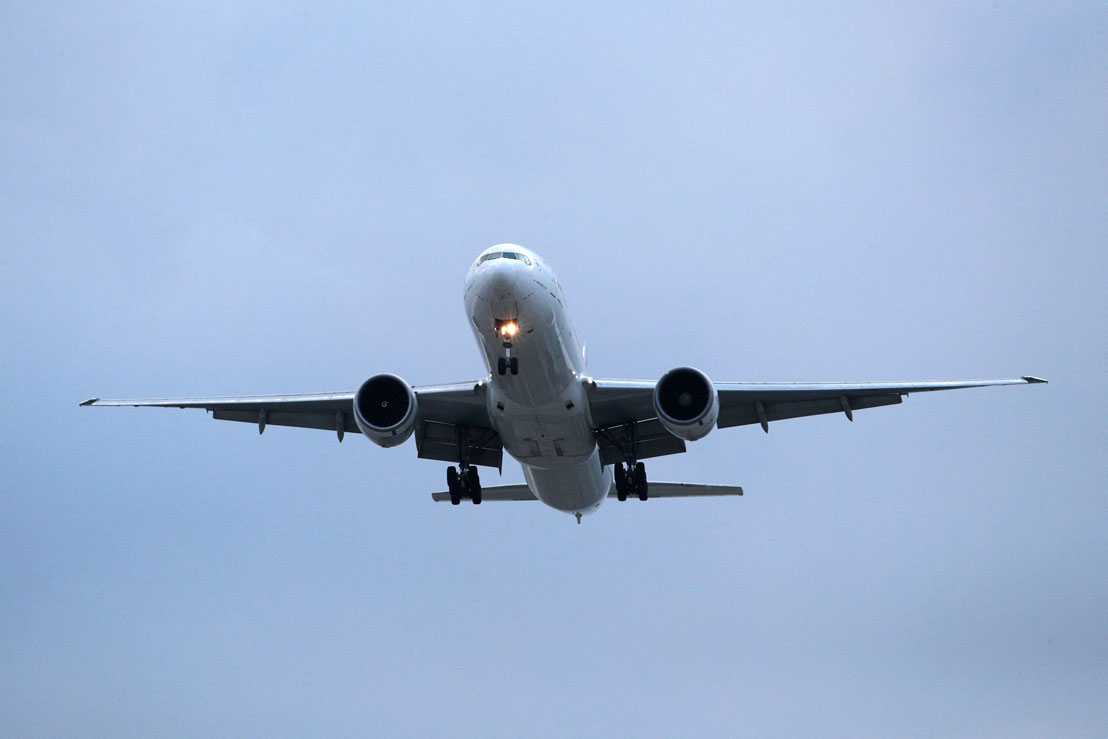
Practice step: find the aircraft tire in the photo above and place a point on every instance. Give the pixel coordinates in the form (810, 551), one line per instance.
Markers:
(639, 476)
(473, 485)
(454, 484)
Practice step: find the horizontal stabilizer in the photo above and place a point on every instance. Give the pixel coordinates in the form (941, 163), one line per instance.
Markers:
(656, 490)
(495, 492)
(686, 490)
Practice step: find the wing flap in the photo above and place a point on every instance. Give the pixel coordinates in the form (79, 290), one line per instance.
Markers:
(441, 441)
(298, 419)
(649, 437)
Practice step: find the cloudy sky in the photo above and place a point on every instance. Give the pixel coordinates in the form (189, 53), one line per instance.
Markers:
(265, 197)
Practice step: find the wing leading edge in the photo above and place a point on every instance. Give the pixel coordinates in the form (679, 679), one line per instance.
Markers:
(329, 411)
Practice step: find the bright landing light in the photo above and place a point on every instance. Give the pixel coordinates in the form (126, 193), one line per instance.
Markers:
(509, 328)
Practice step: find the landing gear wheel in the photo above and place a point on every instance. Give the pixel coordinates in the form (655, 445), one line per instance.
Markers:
(454, 484)
(501, 366)
(620, 475)
(638, 476)
(473, 485)
(513, 363)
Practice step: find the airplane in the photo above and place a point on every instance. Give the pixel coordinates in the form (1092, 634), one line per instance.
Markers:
(580, 440)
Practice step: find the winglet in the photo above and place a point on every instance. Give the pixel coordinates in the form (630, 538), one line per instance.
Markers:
(90, 401)
(1032, 380)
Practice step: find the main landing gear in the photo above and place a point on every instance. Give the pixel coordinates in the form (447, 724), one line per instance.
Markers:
(631, 480)
(505, 365)
(463, 483)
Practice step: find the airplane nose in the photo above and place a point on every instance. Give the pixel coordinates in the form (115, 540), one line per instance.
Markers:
(501, 280)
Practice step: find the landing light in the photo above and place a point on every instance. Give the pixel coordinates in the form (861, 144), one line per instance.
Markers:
(509, 328)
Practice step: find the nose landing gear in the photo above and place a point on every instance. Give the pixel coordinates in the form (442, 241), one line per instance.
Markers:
(631, 481)
(507, 330)
(463, 483)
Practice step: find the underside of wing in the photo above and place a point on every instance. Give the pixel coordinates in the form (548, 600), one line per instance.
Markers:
(744, 403)
(625, 408)
(451, 421)
(328, 411)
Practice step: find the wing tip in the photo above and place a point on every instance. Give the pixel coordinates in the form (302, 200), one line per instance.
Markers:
(90, 401)
(1032, 380)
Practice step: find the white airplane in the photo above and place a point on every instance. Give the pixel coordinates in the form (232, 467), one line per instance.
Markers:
(579, 439)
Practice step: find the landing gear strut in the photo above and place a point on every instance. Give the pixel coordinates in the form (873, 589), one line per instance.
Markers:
(463, 483)
(631, 481)
(507, 330)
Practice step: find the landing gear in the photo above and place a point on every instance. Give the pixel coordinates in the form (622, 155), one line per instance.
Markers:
(507, 330)
(454, 485)
(473, 485)
(465, 483)
(638, 480)
(631, 482)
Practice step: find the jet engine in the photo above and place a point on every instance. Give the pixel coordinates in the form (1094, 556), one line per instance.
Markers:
(687, 403)
(385, 410)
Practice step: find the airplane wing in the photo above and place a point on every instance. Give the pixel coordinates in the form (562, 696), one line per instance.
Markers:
(444, 411)
(623, 410)
(656, 490)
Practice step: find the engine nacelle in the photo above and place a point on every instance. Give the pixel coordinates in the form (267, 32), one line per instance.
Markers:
(687, 403)
(385, 410)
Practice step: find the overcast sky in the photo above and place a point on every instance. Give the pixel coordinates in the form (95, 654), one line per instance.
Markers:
(235, 198)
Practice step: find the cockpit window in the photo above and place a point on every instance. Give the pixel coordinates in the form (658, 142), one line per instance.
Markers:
(504, 255)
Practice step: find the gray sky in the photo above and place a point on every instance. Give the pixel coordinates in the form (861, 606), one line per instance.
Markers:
(256, 198)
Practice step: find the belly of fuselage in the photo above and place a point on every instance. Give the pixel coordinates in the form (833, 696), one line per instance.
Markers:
(541, 413)
(554, 443)
(576, 488)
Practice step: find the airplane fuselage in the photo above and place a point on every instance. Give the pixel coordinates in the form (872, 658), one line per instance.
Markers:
(517, 312)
